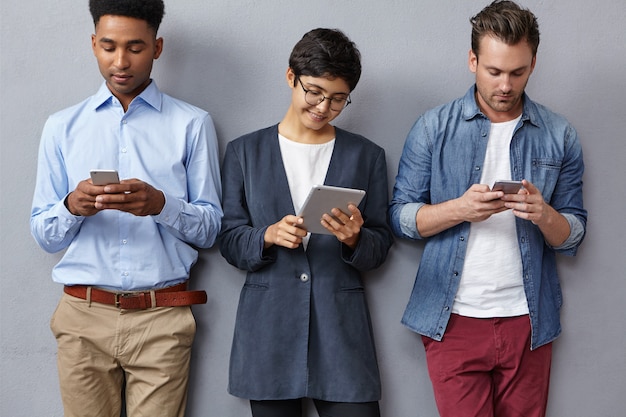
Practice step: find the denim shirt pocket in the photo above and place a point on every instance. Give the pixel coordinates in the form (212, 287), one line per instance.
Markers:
(545, 174)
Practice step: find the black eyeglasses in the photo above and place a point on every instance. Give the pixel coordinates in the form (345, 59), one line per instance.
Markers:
(314, 98)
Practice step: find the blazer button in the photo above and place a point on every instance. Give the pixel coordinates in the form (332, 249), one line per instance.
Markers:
(304, 277)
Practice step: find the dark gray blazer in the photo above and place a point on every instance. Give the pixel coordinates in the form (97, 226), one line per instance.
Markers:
(303, 327)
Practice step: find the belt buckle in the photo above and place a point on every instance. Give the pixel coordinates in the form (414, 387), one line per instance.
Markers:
(117, 297)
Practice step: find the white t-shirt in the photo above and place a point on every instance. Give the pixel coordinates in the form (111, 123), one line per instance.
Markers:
(492, 284)
(306, 165)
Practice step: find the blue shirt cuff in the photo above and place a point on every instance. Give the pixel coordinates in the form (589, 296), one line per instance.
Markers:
(408, 224)
(577, 232)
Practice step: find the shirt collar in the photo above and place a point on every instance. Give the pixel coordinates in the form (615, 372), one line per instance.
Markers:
(471, 109)
(151, 96)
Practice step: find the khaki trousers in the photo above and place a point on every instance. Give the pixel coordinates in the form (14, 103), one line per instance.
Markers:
(102, 349)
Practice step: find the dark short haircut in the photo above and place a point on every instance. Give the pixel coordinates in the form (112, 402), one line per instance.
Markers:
(508, 22)
(151, 11)
(327, 53)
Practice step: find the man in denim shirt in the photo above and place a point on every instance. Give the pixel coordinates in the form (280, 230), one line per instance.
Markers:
(486, 298)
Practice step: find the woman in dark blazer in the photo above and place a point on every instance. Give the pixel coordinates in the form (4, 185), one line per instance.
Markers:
(303, 328)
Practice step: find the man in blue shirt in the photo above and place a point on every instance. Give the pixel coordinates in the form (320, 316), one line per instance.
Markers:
(125, 319)
(486, 298)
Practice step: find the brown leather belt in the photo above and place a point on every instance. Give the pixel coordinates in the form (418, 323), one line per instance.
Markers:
(175, 296)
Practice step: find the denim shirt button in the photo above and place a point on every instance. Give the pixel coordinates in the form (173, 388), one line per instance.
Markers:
(304, 277)
(462, 239)
(446, 308)
(456, 273)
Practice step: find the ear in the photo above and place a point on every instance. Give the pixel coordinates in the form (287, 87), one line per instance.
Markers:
(291, 78)
(532, 64)
(93, 43)
(158, 48)
(472, 61)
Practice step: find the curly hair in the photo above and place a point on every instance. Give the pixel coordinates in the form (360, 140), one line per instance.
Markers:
(327, 53)
(151, 11)
(506, 21)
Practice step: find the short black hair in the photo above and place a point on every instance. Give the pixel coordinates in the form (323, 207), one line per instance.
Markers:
(151, 11)
(327, 53)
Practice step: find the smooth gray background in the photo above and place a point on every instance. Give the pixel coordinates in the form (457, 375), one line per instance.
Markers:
(230, 57)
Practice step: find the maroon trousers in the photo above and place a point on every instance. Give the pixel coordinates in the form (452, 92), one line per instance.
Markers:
(485, 368)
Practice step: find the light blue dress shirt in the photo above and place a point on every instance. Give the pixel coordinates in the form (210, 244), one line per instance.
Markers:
(163, 141)
(442, 157)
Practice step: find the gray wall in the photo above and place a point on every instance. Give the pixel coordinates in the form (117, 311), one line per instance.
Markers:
(229, 57)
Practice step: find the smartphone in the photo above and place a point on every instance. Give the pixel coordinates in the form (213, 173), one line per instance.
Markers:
(104, 176)
(509, 187)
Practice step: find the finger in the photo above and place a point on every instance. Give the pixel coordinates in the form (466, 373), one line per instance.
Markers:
(298, 231)
(331, 223)
(521, 196)
(288, 241)
(355, 213)
(292, 220)
(116, 198)
(530, 187)
(125, 188)
(340, 216)
(480, 188)
(521, 214)
(491, 195)
(521, 207)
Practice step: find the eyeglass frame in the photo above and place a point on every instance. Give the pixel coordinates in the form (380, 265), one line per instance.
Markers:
(347, 100)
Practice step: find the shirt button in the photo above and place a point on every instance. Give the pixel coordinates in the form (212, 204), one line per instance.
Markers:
(124, 241)
(123, 150)
(446, 308)
(304, 277)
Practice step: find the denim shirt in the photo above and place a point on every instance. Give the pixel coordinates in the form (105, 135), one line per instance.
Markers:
(442, 157)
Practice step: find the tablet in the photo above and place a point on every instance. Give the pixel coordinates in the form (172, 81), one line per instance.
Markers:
(323, 198)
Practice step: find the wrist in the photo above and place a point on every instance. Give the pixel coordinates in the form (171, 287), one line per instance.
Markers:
(267, 237)
(66, 203)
